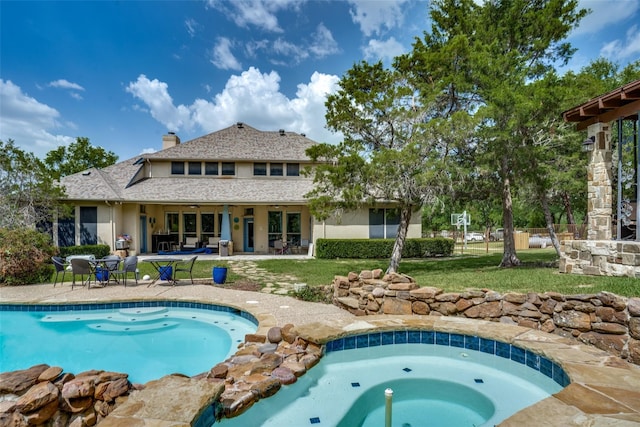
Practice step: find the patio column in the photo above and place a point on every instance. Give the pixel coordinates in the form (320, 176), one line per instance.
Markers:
(599, 182)
(225, 227)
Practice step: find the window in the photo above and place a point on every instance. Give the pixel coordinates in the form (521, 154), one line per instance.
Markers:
(275, 169)
(228, 168)
(177, 168)
(88, 225)
(383, 223)
(189, 224)
(293, 228)
(211, 168)
(275, 226)
(172, 223)
(195, 168)
(67, 230)
(207, 224)
(293, 169)
(260, 169)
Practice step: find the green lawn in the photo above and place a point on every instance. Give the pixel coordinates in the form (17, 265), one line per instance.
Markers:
(539, 273)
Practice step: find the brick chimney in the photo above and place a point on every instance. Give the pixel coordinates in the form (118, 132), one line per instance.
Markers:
(170, 140)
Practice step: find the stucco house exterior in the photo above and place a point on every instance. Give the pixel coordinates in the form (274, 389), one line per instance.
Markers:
(237, 184)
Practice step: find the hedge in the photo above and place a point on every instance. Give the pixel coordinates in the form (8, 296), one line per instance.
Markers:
(99, 251)
(382, 248)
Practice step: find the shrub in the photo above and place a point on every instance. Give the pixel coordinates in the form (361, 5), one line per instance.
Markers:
(25, 256)
(323, 294)
(382, 248)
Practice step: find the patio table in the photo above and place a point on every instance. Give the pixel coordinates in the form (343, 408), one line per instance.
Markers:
(102, 265)
(160, 264)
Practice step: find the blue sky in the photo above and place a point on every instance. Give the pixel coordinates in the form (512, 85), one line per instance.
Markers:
(124, 73)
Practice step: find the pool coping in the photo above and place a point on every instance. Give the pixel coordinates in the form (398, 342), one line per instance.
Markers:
(604, 389)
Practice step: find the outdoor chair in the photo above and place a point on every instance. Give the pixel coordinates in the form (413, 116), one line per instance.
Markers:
(185, 266)
(60, 266)
(112, 262)
(81, 267)
(129, 265)
(304, 246)
(190, 243)
(213, 243)
(278, 247)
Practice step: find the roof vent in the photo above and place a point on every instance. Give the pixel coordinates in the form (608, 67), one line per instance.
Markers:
(171, 133)
(86, 173)
(240, 125)
(281, 132)
(303, 134)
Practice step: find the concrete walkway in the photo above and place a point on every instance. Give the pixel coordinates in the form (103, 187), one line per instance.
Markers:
(269, 309)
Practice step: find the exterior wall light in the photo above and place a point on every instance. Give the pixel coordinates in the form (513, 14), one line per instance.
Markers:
(588, 143)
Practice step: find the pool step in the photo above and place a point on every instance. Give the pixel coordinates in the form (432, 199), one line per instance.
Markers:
(143, 311)
(122, 315)
(131, 327)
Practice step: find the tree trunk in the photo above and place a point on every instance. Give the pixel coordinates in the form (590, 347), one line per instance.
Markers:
(509, 256)
(403, 227)
(567, 207)
(549, 220)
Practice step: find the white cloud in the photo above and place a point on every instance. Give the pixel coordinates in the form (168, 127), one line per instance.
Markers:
(384, 50)
(286, 53)
(155, 95)
(284, 48)
(222, 57)
(254, 13)
(65, 84)
(604, 14)
(623, 49)
(323, 43)
(251, 97)
(29, 122)
(374, 17)
(192, 26)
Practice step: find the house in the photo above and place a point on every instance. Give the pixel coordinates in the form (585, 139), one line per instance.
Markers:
(238, 184)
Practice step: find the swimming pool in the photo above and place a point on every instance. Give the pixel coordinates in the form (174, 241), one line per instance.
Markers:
(146, 340)
(440, 379)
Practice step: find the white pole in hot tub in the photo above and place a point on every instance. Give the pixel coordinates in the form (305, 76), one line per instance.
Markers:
(388, 396)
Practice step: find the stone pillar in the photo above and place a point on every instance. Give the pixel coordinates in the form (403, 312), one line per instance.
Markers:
(600, 180)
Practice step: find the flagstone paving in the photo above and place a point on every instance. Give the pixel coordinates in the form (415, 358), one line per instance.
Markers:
(279, 284)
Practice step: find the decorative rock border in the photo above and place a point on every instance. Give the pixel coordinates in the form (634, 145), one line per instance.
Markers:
(262, 364)
(45, 395)
(605, 320)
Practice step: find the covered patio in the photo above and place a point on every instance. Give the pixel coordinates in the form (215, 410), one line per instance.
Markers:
(612, 247)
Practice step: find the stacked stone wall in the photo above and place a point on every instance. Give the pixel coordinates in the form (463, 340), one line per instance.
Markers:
(605, 320)
(600, 258)
(46, 396)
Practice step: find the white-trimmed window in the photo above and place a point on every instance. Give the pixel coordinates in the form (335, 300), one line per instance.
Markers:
(383, 223)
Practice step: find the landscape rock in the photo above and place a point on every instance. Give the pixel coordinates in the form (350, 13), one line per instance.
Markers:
(604, 320)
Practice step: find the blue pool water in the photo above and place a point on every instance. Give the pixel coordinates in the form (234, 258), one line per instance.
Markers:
(146, 341)
(442, 383)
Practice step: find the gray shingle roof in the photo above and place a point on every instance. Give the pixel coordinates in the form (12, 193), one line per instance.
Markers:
(241, 143)
(117, 183)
